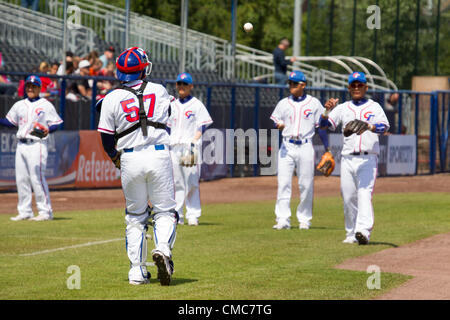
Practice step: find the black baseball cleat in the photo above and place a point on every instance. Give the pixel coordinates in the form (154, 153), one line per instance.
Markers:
(362, 239)
(165, 267)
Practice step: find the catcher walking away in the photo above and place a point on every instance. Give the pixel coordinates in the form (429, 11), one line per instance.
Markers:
(363, 120)
(187, 122)
(133, 130)
(35, 118)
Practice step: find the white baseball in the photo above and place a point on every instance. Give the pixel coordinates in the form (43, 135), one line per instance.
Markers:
(248, 27)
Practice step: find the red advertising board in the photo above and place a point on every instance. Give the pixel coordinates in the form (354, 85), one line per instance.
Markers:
(94, 169)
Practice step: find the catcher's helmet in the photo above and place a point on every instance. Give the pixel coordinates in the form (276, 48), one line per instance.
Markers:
(131, 63)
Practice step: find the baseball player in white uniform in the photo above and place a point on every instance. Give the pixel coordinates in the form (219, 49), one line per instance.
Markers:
(35, 118)
(363, 120)
(187, 120)
(297, 116)
(133, 129)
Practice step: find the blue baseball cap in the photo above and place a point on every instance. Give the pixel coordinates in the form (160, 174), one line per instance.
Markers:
(34, 80)
(184, 77)
(357, 76)
(297, 76)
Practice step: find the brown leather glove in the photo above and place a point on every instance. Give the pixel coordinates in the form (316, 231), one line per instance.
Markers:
(355, 126)
(326, 164)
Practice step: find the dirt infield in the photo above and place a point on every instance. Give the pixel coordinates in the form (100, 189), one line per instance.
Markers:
(426, 260)
(231, 190)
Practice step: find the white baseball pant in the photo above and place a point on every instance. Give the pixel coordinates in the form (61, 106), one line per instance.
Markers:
(147, 175)
(358, 175)
(31, 162)
(187, 186)
(301, 158)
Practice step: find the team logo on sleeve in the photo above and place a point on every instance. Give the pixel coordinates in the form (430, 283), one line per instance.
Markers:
(307, 113)
(189, 114)
(368, 115)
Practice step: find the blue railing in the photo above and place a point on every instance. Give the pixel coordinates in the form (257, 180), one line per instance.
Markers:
(252, 107)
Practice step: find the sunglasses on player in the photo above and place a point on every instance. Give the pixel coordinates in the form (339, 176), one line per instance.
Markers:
(182, 83)
(358, 85)
(293, 83)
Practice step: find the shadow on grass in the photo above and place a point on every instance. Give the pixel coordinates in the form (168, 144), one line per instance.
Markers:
(173, 282)
(178, 281)
(378, 243)
(200, 224)
(61, 218)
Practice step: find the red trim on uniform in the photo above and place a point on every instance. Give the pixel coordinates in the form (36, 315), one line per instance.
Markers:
(105, 130)
(333, 123)
(275, 119)
(293, 106)
(11, 120)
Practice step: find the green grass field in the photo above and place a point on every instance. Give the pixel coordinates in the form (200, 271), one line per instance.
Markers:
(233, 254)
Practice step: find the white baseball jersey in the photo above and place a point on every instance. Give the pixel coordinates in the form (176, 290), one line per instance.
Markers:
(120, 111)
(300, 118)
(25, 113)
(370, 112)
(186, 119)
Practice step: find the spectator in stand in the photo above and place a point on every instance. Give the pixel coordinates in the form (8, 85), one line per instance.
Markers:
(53, 70)
(80, 89)
(69, 58)
(70, 69)
(104, 86)
(95, 68)
(76, 61)
(91, 57)
(46, 82)
(280, 63)
(109, 70)
(107, 56)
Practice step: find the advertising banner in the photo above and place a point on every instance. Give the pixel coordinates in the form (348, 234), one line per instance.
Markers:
(93, 167)
(75, 160)
(401, 155)
(62, 153)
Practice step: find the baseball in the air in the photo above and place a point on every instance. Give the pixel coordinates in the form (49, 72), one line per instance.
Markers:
(248, 27)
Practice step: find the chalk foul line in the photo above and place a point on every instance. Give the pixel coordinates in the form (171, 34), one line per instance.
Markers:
(87, 244)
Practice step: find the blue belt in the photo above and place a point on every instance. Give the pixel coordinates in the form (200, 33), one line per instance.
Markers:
(157, 147)
(298, 141)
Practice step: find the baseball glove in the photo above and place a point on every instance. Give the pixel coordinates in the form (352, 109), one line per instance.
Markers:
(326, 164)
(39, 131)
(355, 126)
(189, 157)
(116, 159)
